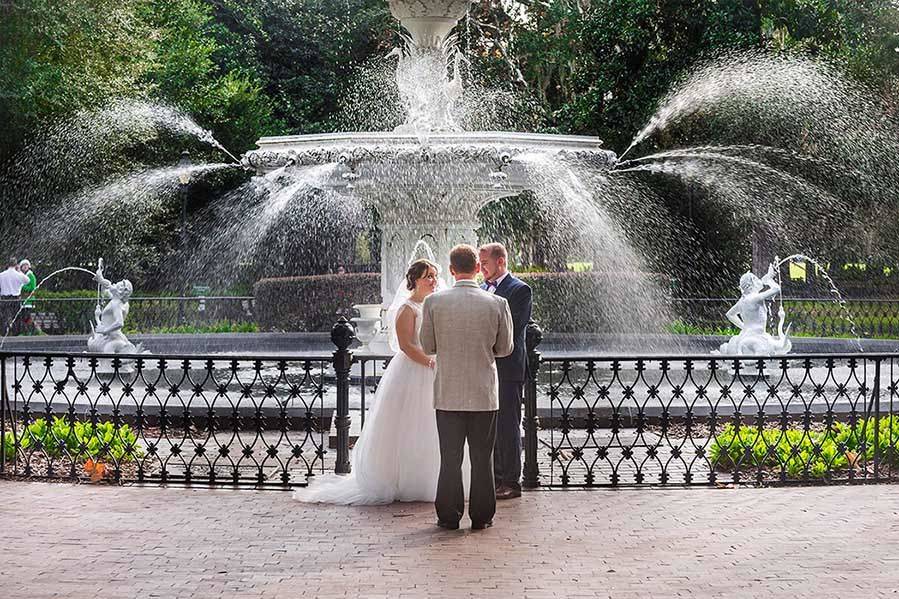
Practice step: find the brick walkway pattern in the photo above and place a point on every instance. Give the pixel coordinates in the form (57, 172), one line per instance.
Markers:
(86, 541)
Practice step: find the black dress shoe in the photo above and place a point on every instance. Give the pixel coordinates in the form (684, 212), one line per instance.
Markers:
(448, 525)
(481, 525)
(508, 493)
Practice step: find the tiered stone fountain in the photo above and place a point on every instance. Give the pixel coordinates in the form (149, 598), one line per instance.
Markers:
(428, 179)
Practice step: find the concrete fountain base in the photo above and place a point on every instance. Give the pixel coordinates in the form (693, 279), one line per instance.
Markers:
(553, 344)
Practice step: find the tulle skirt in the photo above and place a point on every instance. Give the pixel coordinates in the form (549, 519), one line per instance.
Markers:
(397, 456)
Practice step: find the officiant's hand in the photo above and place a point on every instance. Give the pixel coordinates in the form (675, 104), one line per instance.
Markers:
(432, 363)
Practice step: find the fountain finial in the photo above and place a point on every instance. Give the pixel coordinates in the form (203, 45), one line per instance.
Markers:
(429, 21)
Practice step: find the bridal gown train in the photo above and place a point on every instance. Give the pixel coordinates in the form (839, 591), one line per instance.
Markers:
(397, 456)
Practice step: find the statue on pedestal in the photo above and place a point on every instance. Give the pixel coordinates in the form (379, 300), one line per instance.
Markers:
(107, 336)
(750, 315)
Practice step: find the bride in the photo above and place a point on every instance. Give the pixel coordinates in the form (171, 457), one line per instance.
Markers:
(397, 456)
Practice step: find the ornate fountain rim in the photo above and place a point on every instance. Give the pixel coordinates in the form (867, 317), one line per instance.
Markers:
(275, 152)
(463, 138)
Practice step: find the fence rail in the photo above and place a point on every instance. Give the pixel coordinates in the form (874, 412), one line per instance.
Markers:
(588, 420)
(808, 316)
(73, 316)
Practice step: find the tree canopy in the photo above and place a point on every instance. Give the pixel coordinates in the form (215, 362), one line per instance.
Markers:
(248, 68)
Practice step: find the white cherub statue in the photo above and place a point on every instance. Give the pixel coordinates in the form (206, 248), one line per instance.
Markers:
(107, 336)
(750, 315)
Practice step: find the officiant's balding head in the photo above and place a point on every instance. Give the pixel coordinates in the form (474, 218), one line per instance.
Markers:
(464, 262)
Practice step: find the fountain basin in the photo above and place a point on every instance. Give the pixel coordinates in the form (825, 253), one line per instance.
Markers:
(424, 155)
(427, 186)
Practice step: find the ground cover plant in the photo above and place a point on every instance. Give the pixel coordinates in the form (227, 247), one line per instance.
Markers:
(801, 453)
(79, 441)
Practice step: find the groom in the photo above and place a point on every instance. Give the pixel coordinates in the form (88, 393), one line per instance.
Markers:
(507, 454)
(467, 329)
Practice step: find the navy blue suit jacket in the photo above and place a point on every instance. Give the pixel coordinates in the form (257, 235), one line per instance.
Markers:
(518, 295)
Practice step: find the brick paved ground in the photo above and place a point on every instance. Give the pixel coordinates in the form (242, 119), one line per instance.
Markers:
(86, 541)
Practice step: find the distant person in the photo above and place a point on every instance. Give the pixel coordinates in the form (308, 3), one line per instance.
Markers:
(341, 270)
(12, 280)
(11, 283)
(27, 289)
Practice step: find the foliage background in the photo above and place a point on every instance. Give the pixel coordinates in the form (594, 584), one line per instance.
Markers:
(248, 68)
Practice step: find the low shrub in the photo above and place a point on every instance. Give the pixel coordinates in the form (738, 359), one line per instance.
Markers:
(593, 302)
(564, 302)
(797, 451)
(312, 303)
(222, 326)
(78, 441)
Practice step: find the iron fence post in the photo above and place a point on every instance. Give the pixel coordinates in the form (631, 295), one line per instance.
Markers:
(876, 398)
(531, 423)
(342, 335)
(3, 400)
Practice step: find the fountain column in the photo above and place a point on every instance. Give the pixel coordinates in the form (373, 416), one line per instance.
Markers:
(398, 246)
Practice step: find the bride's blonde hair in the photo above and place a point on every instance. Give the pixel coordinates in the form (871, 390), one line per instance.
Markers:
(417, 270)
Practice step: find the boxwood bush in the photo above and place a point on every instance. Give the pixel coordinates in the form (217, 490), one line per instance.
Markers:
(312, 303)
(564, 302)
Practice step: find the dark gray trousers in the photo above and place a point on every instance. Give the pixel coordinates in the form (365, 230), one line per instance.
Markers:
(507, 452)
(453, 429)
(8, 308)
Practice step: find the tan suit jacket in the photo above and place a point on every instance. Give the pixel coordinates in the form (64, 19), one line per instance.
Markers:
(467, 328)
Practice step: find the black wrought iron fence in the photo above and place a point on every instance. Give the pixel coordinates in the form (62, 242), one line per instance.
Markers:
(588, 420)
(258, 420)
(701, 420)
(808, 316)
(73, 316)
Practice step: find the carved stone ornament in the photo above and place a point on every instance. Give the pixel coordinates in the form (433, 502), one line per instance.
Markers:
(429, 21)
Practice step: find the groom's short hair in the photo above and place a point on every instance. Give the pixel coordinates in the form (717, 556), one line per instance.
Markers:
(496, 250)
(464, 259)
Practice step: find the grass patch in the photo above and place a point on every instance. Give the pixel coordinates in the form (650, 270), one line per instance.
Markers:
(222, 326)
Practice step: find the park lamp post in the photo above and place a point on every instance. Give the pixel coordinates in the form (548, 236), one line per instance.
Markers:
(184, 165)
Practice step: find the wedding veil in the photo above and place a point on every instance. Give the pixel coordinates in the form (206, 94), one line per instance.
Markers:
(421, 250)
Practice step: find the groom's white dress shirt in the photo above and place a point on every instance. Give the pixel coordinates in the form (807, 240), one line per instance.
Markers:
(467, 328)
(492, 288)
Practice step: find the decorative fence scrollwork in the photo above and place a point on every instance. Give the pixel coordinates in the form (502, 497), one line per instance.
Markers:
(589, 421)
(212, 419)
(701, 420)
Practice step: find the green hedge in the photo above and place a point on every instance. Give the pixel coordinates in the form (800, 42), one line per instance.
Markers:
(563, 302)
(569, 302)
(312, 303)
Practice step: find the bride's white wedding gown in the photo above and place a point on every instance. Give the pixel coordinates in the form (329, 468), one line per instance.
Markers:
(397, 456)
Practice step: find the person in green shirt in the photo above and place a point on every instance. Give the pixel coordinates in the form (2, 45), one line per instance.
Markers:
(27, 289)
